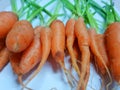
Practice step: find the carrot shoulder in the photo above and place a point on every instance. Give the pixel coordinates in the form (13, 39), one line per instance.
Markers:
(7, 20)
(20, 37)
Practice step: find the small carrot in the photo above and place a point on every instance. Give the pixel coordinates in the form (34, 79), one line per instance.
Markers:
(83, 42)
(4, 57)
(97, 47)
(70, 35)
(112, 44)
(45, 38)
(20, 36)
(7, 20)
(58, 45)
(29, 58)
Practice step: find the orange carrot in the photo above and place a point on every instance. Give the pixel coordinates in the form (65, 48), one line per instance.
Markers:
(29, 58)
(98, 49)
(4, 57)
(83, 42)
(112, 43)
(70, 41)
(20, 36)
(7, 20)
(58, 45)
(45, 37)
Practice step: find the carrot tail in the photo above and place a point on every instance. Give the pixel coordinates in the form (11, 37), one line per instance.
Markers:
(74, 62)
(73, 59)
(69, 76)
(75, 66)
(37, 70)
(86, 78)
(21, 82)
(85, 66)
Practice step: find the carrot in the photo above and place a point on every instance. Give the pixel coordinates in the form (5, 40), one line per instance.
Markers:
(7, 20)
(20, 36)
(70, 41)
(26, 60)
(112, 43)
(58, 45)
(98, 49)
(45, 37)
(2, 43)
(83, 42)
(4, 57)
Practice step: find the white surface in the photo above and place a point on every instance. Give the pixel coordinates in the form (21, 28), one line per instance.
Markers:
(47, 79)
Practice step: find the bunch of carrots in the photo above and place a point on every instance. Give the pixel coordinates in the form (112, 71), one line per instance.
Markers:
(25, 46)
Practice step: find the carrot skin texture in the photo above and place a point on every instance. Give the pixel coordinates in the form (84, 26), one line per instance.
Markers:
(20, 36)
(31, 56)
(4, 57)
(112, 43)
(15, 61)
(7, 20)
(83, 42)
(58, 40)
(45, 38)
(58, 45)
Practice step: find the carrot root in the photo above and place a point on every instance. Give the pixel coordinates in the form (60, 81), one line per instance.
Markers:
(22, 84)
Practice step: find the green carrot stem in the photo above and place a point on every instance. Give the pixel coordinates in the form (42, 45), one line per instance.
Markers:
(38, 6)
(98, 8)
(14, 6)
(77, 7)
(37, 11)
(69, 6)
(91, 19)
(54, 17)
(42, 21)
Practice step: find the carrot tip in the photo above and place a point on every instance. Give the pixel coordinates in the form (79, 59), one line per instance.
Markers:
(21, 82)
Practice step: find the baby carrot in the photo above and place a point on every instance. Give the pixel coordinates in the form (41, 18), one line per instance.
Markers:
(70, 35)
(97, 47)
(83, 42)
(58, 45)
(45, 38)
